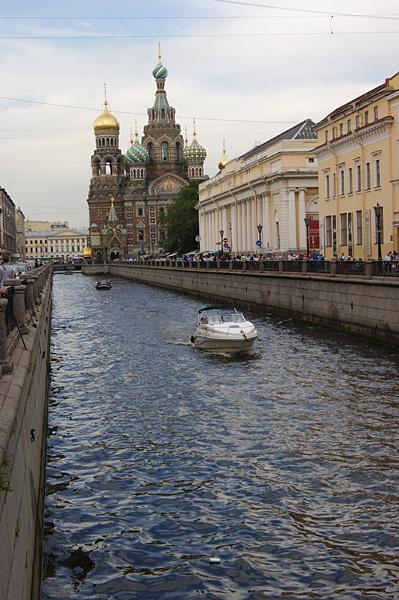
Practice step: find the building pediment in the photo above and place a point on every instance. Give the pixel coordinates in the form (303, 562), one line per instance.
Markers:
(166, 185)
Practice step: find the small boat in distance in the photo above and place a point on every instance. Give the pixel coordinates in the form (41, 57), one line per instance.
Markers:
(223, 330)
(103, 284)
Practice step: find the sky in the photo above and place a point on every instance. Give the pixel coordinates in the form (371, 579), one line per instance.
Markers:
(244, 71)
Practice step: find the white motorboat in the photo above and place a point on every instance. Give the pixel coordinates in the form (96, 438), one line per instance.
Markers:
(222, 330)
(104, 284)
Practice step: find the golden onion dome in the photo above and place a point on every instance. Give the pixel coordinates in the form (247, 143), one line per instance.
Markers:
(223, 160)
(106, 121)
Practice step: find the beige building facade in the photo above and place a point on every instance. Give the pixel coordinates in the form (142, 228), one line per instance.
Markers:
(59, 244)
(20, 242)
(358, 167)
(258, 202)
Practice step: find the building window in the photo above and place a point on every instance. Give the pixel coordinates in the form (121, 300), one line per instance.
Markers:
(327, 185)
(358, 178)
(334, 182)
(377, 172)
(350, 173)
(359, 227)
(375, 113)
(357, 121)
(140, 211)
(334, 132)
(344, 229)
(368, 183)
(328, 231)
(349, 125)
(341, 129)
(178, 152)
(165, 152)
(326, 135)
(366, 117)
(150, 150)
(342, 182)
(140, 235)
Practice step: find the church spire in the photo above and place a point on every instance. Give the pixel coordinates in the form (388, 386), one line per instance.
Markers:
(161, 113)
(112, 217)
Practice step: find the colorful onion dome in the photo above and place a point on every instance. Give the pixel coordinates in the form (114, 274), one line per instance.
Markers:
(136, 153)
(106, 121)
(194, 153)
(160, 72)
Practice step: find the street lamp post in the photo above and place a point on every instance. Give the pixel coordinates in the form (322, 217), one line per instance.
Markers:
(221, 233)
(307, 223)
(378, 216)
(259, 228)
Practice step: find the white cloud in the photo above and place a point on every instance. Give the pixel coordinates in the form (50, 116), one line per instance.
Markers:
(279, 78)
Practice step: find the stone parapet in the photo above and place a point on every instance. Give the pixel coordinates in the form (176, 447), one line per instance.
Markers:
(23, 425)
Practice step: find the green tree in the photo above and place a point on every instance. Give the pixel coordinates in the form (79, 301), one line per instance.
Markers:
(181, 221)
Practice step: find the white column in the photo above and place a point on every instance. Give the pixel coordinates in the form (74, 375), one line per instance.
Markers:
(301, 218)
(224, 222)
(266, 221)
(254, 224)
(292, 245)
(233, 220)
(248, 221)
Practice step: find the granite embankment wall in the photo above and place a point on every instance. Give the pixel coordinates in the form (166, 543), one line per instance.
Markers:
(363, 305)
(23, 432)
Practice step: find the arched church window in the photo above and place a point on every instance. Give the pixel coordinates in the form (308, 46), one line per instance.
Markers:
(96, 167)
(178, 151)
(150, 149)
(108, 167)
(165, 151)
(162, 114)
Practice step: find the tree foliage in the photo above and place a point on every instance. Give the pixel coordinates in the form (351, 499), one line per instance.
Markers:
(181, 221)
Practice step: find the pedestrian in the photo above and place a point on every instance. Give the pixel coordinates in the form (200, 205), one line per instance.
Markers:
(6, 271)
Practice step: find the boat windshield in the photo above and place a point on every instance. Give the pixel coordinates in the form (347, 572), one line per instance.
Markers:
(215, 319)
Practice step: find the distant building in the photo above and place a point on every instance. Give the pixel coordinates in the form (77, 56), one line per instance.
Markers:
(45, 225)
(259, 201)
(55, 243)
(20, 234)
(358, 158)
(7, 224)
(129, 194)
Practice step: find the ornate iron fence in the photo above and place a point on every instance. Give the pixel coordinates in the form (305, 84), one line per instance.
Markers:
(318, 266)
(292, 266)
(384, 268)
(351, 267)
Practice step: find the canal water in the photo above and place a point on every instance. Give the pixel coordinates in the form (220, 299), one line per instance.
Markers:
(176, 474)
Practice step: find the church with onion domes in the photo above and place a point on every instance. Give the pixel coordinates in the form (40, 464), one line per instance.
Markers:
(131, 192)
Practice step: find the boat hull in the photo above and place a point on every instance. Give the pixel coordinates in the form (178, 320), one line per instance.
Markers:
(228, 344)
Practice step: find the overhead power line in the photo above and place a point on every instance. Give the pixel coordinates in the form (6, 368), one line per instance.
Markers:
(112, 36)
(311, 10)
(125, 112)
(143, 18)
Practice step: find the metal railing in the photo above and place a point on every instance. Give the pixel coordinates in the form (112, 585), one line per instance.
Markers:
(9, 311)
(384, 268)
(350, 268)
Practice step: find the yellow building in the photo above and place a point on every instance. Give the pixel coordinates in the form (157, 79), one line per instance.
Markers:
(259, 201)
(358, 169)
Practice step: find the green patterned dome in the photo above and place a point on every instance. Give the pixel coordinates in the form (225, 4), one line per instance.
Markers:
(160, 72)
(136, 153)
(194, 153)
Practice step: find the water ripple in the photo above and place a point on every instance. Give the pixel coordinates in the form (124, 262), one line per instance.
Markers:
(283, 464)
